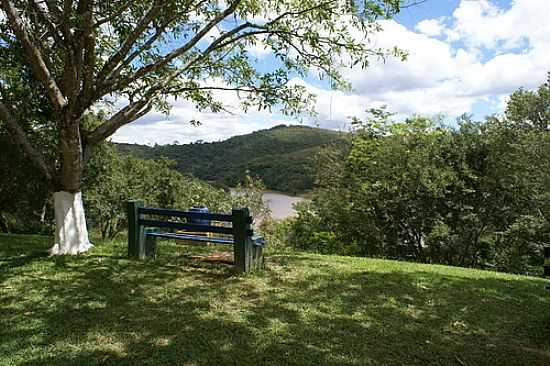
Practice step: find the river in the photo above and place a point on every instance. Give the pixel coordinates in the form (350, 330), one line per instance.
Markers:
(280, 204)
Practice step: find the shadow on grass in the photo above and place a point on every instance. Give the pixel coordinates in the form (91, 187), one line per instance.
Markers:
(8, 263)
(98, 309)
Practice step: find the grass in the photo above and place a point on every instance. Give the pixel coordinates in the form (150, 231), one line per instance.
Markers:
(103, 309)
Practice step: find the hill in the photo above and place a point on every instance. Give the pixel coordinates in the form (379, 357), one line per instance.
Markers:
(281, 156)
(104, 309)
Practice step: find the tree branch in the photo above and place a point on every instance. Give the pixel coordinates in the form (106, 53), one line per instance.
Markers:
(158, 33)
(87, 49)
(65, 19)
(45, 18)
(217, 44)
(18, 137)
(36, 61)
(129, 42)
(126, 115)
(301, 12)
(177, 52)
(244, 88)
(52, 8)
(115, 15)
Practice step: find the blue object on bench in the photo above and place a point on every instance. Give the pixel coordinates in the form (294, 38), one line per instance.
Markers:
(258, 241)
(201, 209)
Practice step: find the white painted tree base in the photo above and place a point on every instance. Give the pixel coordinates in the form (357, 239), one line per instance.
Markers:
(71, 234)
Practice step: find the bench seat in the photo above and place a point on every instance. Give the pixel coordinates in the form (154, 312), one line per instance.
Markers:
(206, 239)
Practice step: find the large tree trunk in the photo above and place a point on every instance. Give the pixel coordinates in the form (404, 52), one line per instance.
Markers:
(71, 233)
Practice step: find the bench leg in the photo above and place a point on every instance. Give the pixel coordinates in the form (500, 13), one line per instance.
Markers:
(150, 246)
(258, 257)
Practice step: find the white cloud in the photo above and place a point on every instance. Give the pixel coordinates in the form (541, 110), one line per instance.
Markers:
(259, 49)
(159, 128)
(430, 27)
(176, 127)
(452, 74)
(483, 24)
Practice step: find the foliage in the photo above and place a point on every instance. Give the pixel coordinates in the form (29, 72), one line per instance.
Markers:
(530, 109)
(304, 309)
(473, 195)
(225, 163)
(111, 179)
(23, 192)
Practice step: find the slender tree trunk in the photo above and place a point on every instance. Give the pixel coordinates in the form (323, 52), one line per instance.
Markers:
(43, 210)
(71, 234)
(4, 227)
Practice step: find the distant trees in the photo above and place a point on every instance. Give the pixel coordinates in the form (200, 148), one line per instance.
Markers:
(477, 194)
(282, 157)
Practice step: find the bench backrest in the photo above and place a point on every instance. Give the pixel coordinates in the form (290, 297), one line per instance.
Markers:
(192, 216)
(245, 252)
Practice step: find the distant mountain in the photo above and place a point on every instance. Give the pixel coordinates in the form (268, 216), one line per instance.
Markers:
(281, 156)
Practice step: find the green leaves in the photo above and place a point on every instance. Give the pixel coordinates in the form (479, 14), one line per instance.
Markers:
(112, 178)
(475, 195)
(530, 109)
(303, 35)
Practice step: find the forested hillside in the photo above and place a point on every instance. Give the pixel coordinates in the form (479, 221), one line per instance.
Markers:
(280, 156)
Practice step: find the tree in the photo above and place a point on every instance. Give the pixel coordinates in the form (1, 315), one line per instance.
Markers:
(530, 109)
(80, 54)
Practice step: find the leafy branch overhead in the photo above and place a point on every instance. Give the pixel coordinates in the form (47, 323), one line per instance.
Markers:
(82, 52)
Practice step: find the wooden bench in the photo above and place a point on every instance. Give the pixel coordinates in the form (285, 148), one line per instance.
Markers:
(143, 232)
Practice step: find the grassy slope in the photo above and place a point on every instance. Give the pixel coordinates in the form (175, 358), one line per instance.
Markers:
(102, 308)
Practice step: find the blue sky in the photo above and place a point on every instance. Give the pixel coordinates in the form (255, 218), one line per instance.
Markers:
(465, 56)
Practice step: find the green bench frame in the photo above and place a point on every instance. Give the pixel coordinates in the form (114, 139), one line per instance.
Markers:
(143, 232)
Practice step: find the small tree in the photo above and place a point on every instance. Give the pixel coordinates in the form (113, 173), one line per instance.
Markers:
(77, 54)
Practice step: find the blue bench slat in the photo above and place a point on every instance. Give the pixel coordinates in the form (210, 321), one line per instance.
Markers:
(187, 226)
(192, 238)
(186, 214)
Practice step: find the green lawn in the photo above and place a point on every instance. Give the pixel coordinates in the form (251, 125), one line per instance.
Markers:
(102, 308)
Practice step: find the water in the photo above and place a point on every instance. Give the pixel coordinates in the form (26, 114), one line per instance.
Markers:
(280, 204)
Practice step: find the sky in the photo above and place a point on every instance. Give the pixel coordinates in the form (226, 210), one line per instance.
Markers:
(465, 56)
